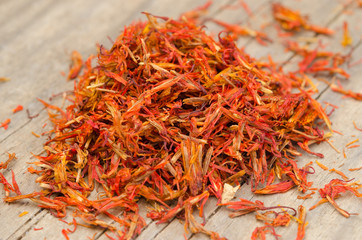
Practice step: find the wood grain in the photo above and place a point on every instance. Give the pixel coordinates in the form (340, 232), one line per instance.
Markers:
(36, 40)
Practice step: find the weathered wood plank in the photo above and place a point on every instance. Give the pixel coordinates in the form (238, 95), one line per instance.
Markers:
(40, 49)
(33, 60)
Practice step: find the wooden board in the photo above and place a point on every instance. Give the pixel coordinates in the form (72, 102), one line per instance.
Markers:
(36, 40)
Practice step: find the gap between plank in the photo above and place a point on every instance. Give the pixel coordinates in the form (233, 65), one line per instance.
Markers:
(29, 220)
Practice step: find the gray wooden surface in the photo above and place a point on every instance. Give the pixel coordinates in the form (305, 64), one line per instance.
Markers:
(36, 39)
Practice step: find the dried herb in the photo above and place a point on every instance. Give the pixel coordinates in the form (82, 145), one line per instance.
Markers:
(339, 173)
(277, 219)
(235, 30)
(350, 143)
(5, 124)
(31, 116)
(4, 79)
(23, 213)
(7, 186)
(316, 61)
(302, 224)
(17, 109)
(334, 188)
(348, 93)
(77, 64)
(169, 114)
(11, 157)
(260, 232)
(355, 126)
(245, 6)
(321, 165)
(347, 40)
(244, 206)
(293, 21)
(355, 169)
(306, 196)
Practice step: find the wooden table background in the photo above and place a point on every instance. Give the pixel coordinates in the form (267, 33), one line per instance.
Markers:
(36, 39)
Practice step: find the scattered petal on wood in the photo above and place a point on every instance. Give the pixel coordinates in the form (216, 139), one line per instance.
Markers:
(333, 190)
(302, 224)
(4, 79)
(347, 39)
(171, 115)
(348, 93)
(5, 124)
(293, 21)
(17, 109)
(77, 64)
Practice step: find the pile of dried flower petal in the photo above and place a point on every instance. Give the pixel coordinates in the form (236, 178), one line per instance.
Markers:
(169, 115)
